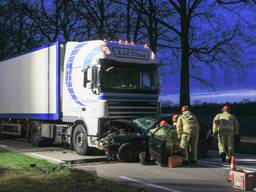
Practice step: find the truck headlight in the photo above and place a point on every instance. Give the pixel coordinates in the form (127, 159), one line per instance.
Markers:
(152, 56)
(105, 50)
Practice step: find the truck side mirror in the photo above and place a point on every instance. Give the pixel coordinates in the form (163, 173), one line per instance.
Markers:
(89, 85)
(89, 74)
(88, 77)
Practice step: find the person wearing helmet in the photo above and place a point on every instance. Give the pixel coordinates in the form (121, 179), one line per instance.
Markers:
(162, 123)
(188, 132)
(174, 118)
(174, 143)
(162, 128)
(225, 127)
(159, 126)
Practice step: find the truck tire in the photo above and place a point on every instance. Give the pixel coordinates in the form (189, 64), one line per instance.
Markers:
(79, 140)
(127, 153)
(35, 135)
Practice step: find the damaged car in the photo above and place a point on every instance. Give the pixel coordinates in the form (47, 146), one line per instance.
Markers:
(126, 139)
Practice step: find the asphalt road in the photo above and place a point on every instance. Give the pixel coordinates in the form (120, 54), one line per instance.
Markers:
(208, 175)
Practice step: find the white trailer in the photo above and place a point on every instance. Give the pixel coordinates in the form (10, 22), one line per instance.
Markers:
(68, 93)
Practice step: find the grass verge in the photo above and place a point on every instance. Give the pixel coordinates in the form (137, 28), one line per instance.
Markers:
(21, 173)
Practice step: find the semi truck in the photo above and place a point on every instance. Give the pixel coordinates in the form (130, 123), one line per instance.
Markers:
(69, 93)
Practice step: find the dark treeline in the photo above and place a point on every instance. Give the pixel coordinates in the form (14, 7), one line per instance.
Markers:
(245, 113)
(29, 23)
(193, 34)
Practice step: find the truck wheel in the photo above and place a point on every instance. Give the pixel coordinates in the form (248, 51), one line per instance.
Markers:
(127, 153)
(79, 140)
(35, 136)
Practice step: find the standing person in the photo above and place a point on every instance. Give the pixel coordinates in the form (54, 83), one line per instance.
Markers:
(174, 120)
(188, 132)
(175, 141)
(225, 127)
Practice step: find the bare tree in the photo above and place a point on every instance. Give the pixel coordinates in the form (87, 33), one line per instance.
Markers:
(3, 29)
(46, 18)
(18, 32)
(145, 23)
(102, 17)
(216, 45)
(56, 20)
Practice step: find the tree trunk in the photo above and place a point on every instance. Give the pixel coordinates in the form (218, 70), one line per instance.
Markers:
(128, 25)
(102, 20)
(184, 75)
(152, 25)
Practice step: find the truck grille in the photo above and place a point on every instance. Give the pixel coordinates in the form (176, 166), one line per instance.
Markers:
(131, 108)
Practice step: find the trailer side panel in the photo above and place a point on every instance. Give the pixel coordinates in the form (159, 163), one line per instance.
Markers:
(29, 85)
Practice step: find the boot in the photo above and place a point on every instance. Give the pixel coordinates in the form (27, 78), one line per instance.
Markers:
(185, 160)
(223, 157)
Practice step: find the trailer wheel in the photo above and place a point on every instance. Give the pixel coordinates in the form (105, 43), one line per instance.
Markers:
(127, 153)
(35, 136)
(79, 140)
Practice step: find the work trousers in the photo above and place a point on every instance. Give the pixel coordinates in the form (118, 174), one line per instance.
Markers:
(189, 145)
(226, 143)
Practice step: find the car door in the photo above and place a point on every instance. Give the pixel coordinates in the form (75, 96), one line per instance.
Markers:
(156, 145)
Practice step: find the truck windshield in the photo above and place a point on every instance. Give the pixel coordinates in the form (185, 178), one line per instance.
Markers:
(133, 78)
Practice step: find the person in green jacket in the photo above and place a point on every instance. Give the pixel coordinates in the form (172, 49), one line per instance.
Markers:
(161, 129)
(175, 141)
(188, 132)
(174, 119)
(225, 127)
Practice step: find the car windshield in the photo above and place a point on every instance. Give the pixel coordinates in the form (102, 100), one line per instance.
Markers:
(145, 123)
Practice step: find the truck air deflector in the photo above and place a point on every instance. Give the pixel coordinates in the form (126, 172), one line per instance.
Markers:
(68, 75)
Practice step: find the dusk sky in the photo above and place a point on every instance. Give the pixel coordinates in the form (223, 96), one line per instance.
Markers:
(205, 32)
(241, 86)
(235, 90)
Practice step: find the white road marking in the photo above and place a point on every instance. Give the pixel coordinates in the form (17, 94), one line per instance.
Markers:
(212, 164)
(148, 184)
(246, 160)
(46, 157)
(3, 146)
(216, 165)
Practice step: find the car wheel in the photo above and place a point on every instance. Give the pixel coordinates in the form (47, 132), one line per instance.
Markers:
(127, 153)
(79, 140)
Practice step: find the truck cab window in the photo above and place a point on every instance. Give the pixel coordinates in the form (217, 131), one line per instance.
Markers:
(146, 82)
